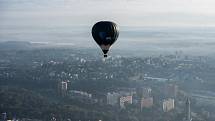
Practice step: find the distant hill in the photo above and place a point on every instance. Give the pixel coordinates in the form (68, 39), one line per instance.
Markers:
(15, 45)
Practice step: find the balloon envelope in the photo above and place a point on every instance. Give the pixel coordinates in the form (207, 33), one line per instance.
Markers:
(105, 33)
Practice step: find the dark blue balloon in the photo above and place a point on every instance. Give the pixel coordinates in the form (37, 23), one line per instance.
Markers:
(105, 33)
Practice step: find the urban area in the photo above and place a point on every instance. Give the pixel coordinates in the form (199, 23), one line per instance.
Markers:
(58, 84)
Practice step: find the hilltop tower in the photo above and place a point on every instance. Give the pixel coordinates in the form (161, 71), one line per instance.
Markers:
(187, 110)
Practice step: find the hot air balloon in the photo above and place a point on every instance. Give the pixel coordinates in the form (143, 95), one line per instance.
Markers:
(105, 33)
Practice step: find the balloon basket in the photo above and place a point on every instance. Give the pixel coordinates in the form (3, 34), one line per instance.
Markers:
(105, 56)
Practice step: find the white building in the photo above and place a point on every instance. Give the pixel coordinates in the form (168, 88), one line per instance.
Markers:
(64, 85)
(168, 105)
(112, 98)
(125, 99)
(62, 88)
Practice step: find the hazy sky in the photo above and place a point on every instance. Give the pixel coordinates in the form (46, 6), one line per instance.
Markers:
(125, 12)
